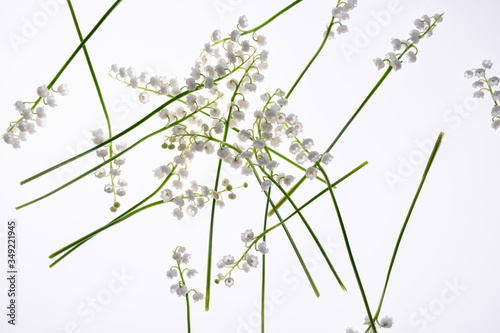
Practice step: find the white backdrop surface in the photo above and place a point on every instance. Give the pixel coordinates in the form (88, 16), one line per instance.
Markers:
(446, 274)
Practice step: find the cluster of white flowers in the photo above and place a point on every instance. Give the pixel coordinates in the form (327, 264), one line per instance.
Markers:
(424, 27)
(18, 130)
(195, 197)
(180, 288)
(116, 186)
(246, 261)
(340, 14)
(385, 322)
(146, 82)
(483, 83)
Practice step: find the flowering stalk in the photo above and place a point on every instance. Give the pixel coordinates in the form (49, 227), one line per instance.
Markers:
(82, 240)
(480, 74)
(130, 128)
(272, 18)
(216, 185)
(394, 63)
(71, 57)
(99, 93)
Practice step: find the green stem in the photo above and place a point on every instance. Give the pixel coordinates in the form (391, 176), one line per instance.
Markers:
(355, 114)
(138, 123)
(287, 232)
(311, 231)
(216, 186)
(91, 68)
(188, 310)
(78, 48)
(302, 207)
(120, 218)
(348, 247)
(312, 59)
(122, 133)
(76, 244)
(398, 242)
(263, 289)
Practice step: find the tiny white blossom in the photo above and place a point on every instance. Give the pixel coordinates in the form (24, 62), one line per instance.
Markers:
(386, 322)
(172, 273)
(190, 84)
(311, 172)
(166, 195)
(495, 111)
(51, 101)
(396, 44)
(63, 89)
(341, 29)
(100, 173)
(144, 97)
(108, 188)
(495, 124)
(262, 247)
(174, 287)
(261, 40)
(266, 184)
(252, 260)
(182, 291)
(243, 21)
(228, 259)
(487, 64)
(198, 297)
(216, 35)
(103, 152)
(42, 91)
(326, 158)
(191, 273)
(185, 258)
(247, 236)
(411, 57)
(229, 281)
(379, 63)
(414, 36)
(235, 35)
(478, 94)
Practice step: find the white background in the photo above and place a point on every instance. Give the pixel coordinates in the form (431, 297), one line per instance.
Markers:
(452, 235)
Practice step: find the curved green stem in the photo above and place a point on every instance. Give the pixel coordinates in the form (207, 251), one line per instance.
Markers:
(216, 186)
(105, 142)
(91, 68)
(400, 237)
(312, 59)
